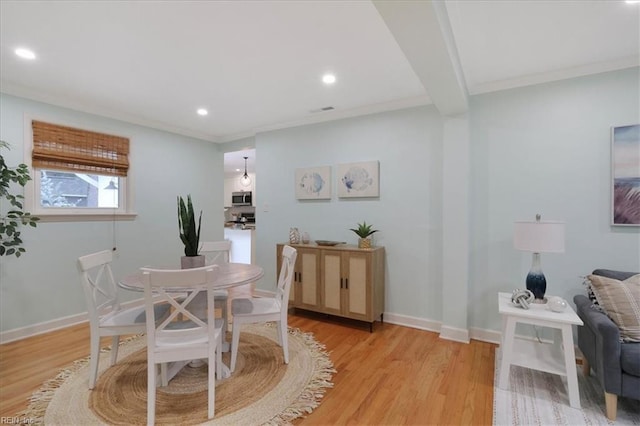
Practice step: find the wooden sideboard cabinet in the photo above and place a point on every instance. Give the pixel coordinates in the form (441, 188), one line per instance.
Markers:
(339, 280)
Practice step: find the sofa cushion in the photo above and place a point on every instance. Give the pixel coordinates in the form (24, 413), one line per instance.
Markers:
(616, 275)
(621, 302)
(609, 273)
(630, 358)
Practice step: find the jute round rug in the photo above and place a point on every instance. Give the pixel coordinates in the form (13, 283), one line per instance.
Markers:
(262, 390)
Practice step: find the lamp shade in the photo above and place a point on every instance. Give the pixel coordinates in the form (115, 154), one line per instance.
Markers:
(539, 237)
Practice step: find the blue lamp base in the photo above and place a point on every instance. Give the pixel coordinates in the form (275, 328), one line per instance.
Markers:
(536, 282)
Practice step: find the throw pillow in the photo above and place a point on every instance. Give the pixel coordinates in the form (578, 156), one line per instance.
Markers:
(591, 295)
(621, 301)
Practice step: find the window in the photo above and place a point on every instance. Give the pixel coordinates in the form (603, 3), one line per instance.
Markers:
(77, 190)
(77, 172)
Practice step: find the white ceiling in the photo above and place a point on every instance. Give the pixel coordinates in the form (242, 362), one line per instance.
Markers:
(256, 65)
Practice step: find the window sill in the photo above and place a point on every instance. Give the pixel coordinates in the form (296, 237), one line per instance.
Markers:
(84, 217)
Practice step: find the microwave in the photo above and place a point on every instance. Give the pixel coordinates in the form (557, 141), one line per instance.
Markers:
(241, 198)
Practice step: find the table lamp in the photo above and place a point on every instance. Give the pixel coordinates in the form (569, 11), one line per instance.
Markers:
(538, 237)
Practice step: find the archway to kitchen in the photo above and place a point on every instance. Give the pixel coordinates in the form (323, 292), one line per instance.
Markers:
(239, 203)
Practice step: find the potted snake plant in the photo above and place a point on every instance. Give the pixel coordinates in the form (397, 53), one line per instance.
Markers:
(189, 234)
(364, 231)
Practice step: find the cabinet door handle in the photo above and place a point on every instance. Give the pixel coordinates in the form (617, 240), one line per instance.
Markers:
(300, 276)
(340, 282)
(295, 276)
(346, 283)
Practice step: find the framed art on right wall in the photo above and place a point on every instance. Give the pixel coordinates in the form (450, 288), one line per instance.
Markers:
(625, 175)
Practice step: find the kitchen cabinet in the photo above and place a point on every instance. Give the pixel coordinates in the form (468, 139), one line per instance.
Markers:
(341, 280)
(243, 247)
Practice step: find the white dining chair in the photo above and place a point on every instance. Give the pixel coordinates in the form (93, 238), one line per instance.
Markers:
(191, 338)
(106, 316)
(265, 309)
(217, 253)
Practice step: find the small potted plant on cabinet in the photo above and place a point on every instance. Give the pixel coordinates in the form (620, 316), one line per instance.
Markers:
(189, 234)
(364, 231)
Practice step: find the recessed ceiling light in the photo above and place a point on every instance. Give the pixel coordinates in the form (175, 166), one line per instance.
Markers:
(328, 79)
(25, 53)
(202, 111)
(632, 1)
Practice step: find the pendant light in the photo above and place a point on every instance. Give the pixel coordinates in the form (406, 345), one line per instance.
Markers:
(112, 185)
(245, 180)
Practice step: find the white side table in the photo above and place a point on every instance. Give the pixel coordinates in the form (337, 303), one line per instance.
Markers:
(557, 357)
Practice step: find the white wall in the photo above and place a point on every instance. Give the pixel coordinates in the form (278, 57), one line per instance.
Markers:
(43, 284)
(408, 214)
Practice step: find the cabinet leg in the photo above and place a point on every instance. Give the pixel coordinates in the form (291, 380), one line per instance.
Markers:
(381, 317)
(370, 327)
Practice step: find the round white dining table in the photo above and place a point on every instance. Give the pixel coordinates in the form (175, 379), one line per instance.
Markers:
(229, 275)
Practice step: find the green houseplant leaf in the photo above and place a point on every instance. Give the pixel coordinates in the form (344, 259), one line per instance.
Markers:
(189, 233)
(363, 230)
(10, 221)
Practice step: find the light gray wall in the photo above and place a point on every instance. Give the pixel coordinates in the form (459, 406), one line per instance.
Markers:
(238, 145)
(540, 149)
(43, 284)
(546, 149)
(408, 214)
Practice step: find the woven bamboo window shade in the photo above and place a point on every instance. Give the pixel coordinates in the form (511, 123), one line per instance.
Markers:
(66, 148)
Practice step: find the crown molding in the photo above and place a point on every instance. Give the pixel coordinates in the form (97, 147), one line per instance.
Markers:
(563, 74)
(338, 114)
(65, 102)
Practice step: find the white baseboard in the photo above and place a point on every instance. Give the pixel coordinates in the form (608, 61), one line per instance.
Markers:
(459, 335)
(42, 327)
(446, 332)
(490, 336)
(413, 322)
(56, 324)
(453, 333)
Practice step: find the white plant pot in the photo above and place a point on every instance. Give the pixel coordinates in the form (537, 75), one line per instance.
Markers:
(188, 262)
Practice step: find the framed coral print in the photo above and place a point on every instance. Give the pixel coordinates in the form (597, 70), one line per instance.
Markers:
(625, 175)
(313, 183)
(359, 179)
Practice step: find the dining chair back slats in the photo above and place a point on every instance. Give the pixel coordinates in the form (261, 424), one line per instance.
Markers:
(184, 335)
(106, 316)
(286, 275)
(218, 253)
(264, 309)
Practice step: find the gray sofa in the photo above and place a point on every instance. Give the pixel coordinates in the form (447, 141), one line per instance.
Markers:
(616, 364)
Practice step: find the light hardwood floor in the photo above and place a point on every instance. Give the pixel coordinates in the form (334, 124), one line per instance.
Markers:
(393, 376)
